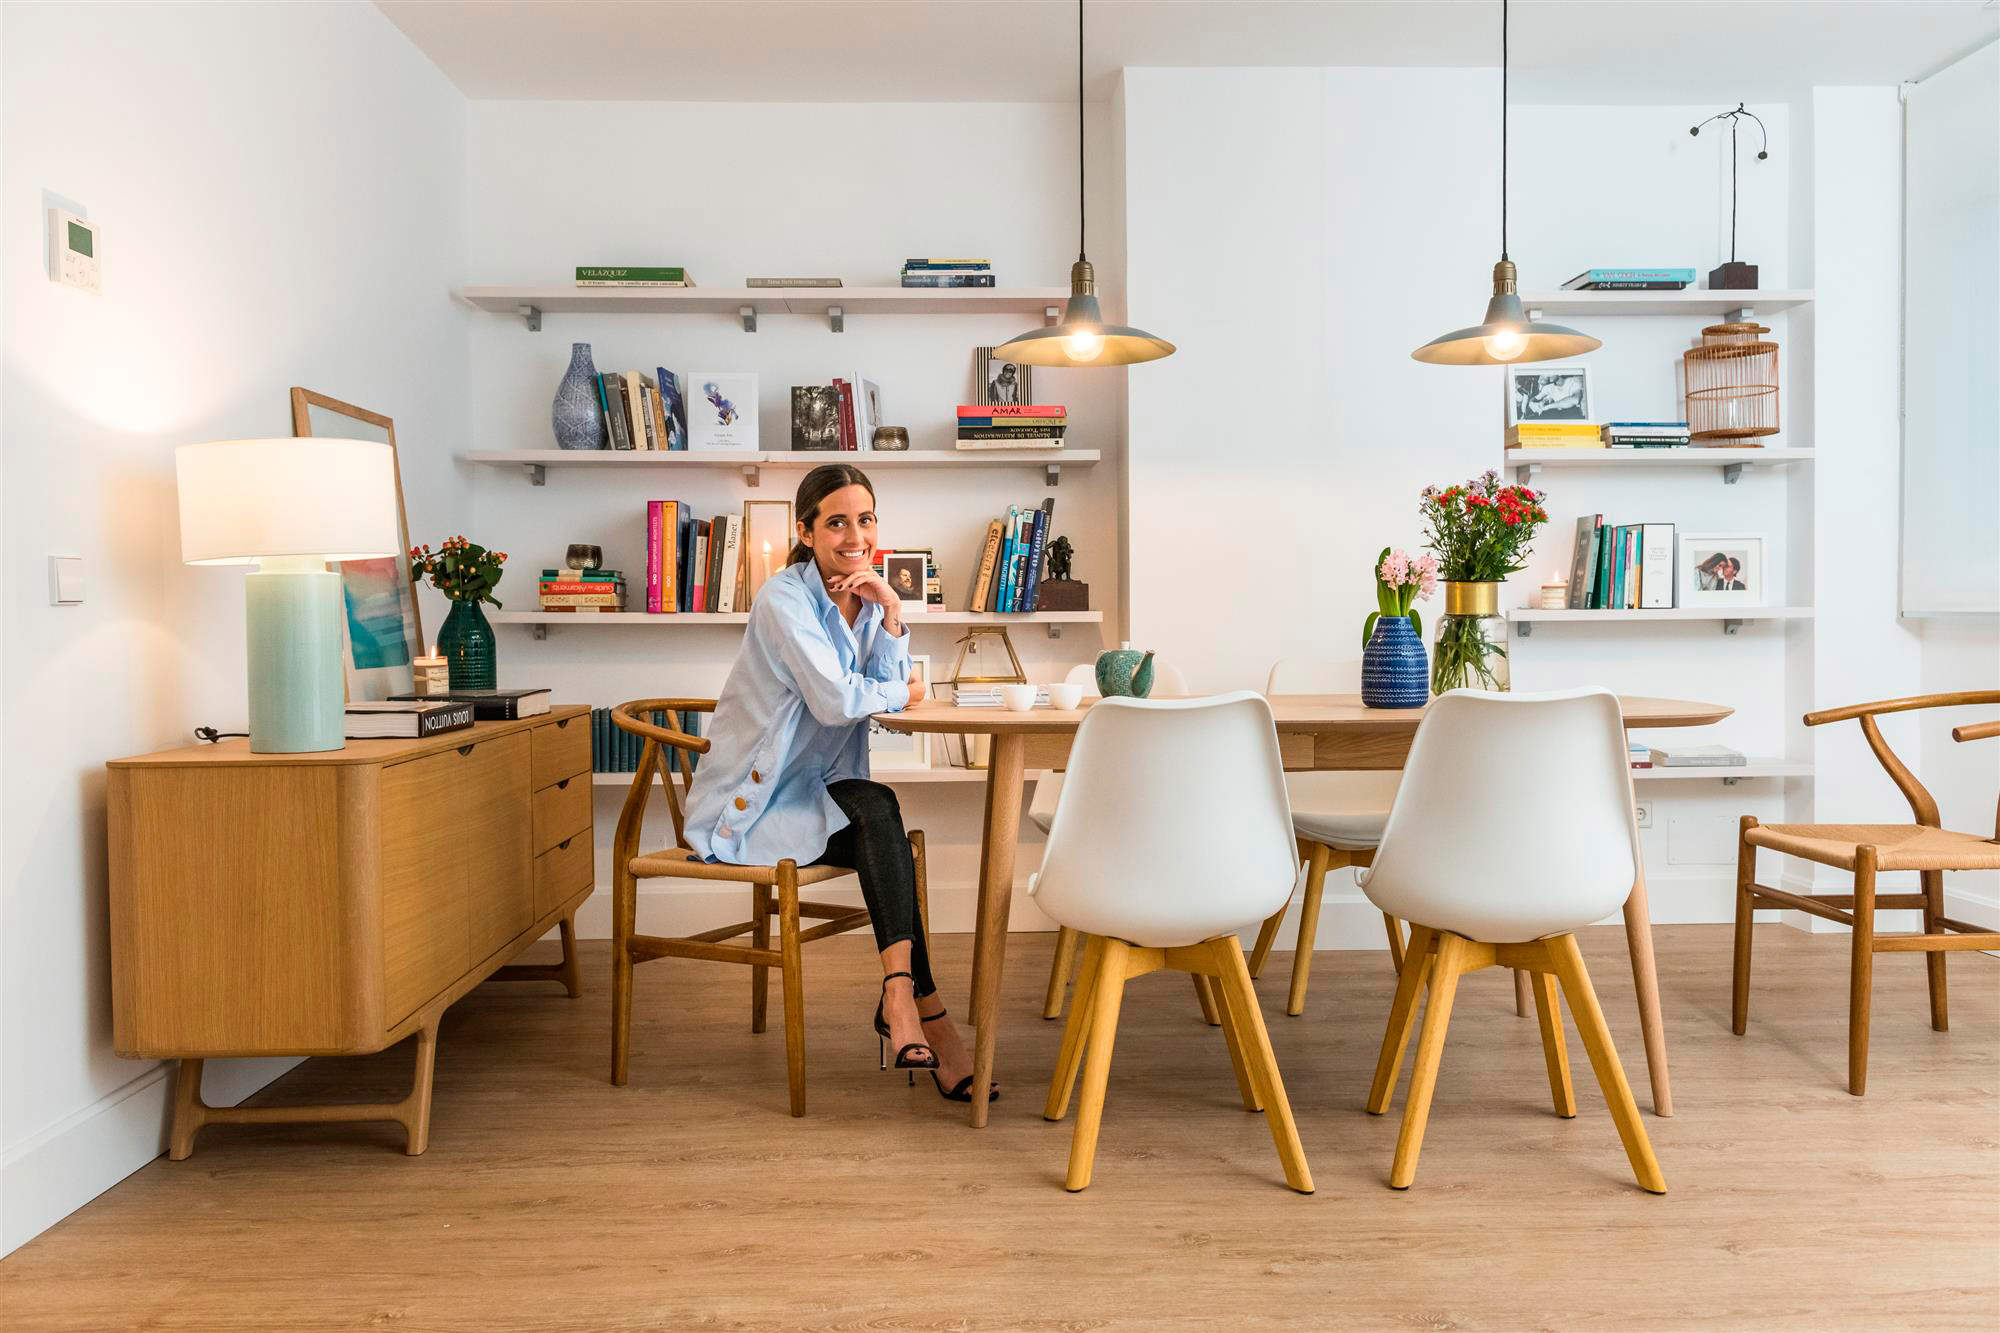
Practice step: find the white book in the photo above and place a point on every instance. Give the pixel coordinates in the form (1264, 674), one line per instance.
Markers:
(722, 410)
(1698, 756)
(732, 542)
(867, 411)
(1656, 565)
(1033, 442)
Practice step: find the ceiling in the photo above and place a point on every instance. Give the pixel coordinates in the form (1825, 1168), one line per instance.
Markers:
(1025, 50)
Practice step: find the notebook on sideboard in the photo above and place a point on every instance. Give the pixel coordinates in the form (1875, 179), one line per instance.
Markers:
(490, 705)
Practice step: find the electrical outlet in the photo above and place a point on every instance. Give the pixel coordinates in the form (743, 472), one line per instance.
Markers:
(1645, 809)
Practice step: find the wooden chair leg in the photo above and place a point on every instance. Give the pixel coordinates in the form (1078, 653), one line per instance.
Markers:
(1548, 1011)
(760, 937)
(1205, 996)
(1445, 969)
(1265, 1079)
(1076, 1033)
(1052, 1003)
(1402, 1014)
(572, 965)
(794, 982)
(1395, 929)
(1302, 955)
(1107, 995)
(1568, 963)
(188, 1107)
(1233, 1038)
(1739, 973)
(1520, 993)
(624, 910)
(1861, 977)
(1933, 881)
(1267, 935)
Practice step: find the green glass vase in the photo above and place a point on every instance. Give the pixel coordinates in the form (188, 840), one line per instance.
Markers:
(467, 645)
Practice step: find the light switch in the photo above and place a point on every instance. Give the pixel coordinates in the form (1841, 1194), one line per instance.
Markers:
(74, 251)
(65, 580)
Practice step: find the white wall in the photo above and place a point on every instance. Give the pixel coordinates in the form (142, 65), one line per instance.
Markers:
(280, 192)
(738, 190)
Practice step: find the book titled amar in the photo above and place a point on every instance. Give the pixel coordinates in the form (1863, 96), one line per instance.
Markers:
(632, 276)
(489, 705)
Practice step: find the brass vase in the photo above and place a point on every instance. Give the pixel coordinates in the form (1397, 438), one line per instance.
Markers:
(1471, 648)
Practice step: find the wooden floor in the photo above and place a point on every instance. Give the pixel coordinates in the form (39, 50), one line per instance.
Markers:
(551, 1200)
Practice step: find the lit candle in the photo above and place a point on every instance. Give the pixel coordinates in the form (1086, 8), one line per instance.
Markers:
(1555, 593)
(767, 560)
(432, 675)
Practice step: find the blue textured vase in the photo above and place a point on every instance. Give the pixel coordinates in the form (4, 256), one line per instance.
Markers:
(1394, 670)
(578, 413)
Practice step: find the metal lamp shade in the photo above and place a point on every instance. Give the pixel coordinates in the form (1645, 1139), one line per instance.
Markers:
(1119, 344)
(1504, 315)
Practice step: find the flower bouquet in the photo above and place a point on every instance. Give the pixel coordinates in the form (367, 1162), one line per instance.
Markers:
(1481, 532)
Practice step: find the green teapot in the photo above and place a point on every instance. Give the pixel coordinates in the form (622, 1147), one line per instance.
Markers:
(1124, 671)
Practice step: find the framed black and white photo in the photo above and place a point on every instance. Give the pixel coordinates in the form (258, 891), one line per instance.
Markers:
(1548, 393)
(901, 750)
(1001, 383)
(904, 572)
(1725, 569)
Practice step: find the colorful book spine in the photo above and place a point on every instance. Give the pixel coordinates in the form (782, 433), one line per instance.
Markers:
(1004, 599)
(1012, 410)
(600, 275)
(947, 279)
(982, 577)
(1036, 545)
(921, 264)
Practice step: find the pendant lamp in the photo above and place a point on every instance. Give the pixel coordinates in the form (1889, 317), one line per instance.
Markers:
(1082, 338)
(1506, 336)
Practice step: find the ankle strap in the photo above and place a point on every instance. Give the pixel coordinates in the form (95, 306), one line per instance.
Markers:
(891, 976)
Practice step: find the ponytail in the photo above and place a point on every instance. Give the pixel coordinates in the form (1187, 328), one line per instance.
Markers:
(818, 484)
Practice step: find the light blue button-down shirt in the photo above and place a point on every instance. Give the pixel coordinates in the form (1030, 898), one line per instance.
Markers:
(793, 716)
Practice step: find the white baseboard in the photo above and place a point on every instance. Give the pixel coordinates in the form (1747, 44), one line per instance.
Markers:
(56, 1172)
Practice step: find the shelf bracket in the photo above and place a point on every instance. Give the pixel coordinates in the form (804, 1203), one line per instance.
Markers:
(1525, 471)
(1055, 630)
(1051, 315)
(836, 318)
(539, 631)
(1052, 474)
(1742, 314)
(753, 475)
(531, 315)
(1730, 472)
(1731, 626)
(1526, 627)
(1731, 782)
(537, 475)
(749, 316)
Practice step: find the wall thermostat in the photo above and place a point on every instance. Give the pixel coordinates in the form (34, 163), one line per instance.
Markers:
(73, 251)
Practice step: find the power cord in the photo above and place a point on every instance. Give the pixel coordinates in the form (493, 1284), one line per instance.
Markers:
(211, 735)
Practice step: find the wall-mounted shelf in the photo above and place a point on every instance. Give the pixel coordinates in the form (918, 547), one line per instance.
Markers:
(542, 621)
(1526, 618)
(1729, 776)
(834, 304)
(1688, 301)
(894, 777)
(538, 461)
(1527, 462)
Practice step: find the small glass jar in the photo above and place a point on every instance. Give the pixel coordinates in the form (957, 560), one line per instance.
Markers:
(1471, 648)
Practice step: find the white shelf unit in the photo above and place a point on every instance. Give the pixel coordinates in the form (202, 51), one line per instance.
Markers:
(1526, 618)
(1729, 776)
(532, 301)
(1688, 301)
(752, 462)
(1732, 462)
(542, 621)
(894, 777)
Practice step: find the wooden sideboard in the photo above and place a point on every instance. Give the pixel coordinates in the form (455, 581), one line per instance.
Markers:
(336, 903)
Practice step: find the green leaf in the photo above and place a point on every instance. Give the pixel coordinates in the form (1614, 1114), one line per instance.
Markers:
(1417, 621)
(1368, 627)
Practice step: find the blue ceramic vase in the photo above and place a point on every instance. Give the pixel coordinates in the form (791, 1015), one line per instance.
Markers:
(1394, 670)
(578, 415)
(467, 644)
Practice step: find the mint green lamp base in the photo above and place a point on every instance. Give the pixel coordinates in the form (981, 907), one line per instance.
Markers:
(292, 617)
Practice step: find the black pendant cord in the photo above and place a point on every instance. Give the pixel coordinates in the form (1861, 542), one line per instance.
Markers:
(1503, 129)
(1080, 203)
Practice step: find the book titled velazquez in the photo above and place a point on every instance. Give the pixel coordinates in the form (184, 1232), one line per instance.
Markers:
(490, 705)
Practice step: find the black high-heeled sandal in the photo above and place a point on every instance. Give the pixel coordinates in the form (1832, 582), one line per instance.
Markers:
(962, 1090)
(904, 1060)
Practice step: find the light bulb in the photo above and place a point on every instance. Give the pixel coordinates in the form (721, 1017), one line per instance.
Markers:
(1084, 344)
(1506, 344)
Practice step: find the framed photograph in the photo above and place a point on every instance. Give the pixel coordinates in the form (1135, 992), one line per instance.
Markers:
(767, 540)
(1724, 570)
(382, 632)
(1001, 383)
(722, 410)
(1548, 393)
(904, 572)
(897, 749)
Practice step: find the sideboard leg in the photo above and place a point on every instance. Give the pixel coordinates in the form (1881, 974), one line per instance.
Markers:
(189, 1110)
(415, 1112)
(572, 972)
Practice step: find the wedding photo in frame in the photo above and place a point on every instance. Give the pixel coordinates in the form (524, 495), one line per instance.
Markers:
(381, 628)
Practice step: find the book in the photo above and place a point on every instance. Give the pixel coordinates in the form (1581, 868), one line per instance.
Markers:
(1037, 542)
(698, 568)
(922, 263)
(1656, 565)
(1003, 594)
(722, 410)
(684, 561)
(635, 276)
(791, 282)
(637, 411)
(1600, 599)
(1011, 430)
(1011, 442)
(867, 396)
(1613, 279)
(428, 717)
(1048, 410)
(585, 575)
(1640, 754)
(1698, 756)
(613, 389)
(815, 417)
(489, 705)
(982, 574)
(732, 563)
(988, 696)
(582, 601)
(673, 407)
(947, 279)
(1580, 563)
(844, 392)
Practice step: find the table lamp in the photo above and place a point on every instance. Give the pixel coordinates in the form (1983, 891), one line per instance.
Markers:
(290, 506)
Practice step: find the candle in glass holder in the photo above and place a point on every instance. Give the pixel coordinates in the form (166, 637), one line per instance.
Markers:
(430, 675)
(1555, 594)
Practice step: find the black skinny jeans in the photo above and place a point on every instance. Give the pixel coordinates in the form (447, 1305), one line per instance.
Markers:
(875, 846)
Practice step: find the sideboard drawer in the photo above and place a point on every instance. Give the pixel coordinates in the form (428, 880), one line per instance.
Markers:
(562, 749)
(562, 870)
(561, 810)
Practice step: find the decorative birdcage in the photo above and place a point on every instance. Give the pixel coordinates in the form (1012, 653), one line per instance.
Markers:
(1732, 386)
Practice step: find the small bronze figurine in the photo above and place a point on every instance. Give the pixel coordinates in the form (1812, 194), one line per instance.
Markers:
(1060, 555)
(1060, 592)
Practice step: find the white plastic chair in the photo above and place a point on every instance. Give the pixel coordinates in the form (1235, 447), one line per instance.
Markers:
(1167, 680)
(1149, 888)
(1463, 861)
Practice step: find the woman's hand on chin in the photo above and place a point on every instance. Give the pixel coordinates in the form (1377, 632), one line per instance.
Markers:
(872, 587)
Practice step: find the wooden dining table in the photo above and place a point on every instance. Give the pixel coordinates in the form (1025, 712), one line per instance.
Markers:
(1315, 732)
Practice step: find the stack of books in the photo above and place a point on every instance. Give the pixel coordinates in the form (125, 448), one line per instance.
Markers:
(624, 276)
(642, 412)
(1698, 756)
(693, 565)
(1555, 435)
(1015, 426)
(947, 273)
(840, 415)
(1010, 561)
(988, 696)
(1646, 434)
(1630, 280)
(1640, 753)
(1627, 567)
(582, 590)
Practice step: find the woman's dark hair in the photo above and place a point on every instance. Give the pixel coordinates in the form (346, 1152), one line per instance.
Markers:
(819, 483)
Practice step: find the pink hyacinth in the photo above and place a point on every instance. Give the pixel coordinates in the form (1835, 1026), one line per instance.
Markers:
(1427, 575)
(1395, 570)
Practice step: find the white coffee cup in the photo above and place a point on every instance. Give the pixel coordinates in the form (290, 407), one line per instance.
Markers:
(1067, 695)
(1018, 698)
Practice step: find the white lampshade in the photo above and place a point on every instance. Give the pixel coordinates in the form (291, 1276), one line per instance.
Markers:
(246, 500)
